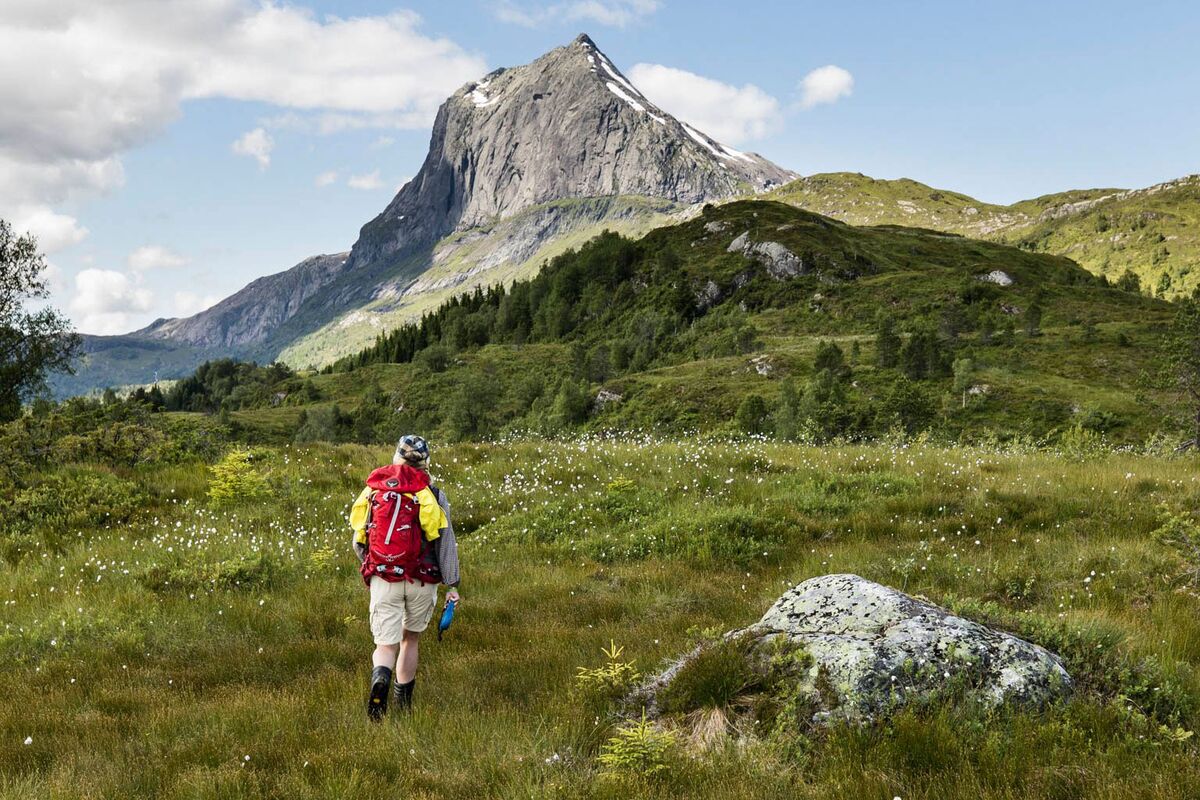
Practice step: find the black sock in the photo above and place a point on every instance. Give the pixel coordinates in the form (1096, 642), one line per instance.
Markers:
(402, 693)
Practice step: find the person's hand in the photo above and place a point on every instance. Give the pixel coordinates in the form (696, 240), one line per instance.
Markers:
(452, 596)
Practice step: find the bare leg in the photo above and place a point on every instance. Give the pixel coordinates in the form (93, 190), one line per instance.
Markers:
(385, 654)
(406, 664)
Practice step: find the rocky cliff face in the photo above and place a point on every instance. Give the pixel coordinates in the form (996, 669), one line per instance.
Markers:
(250, 315)
(567, 125)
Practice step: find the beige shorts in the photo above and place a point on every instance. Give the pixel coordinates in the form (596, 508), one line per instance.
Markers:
(397, 607)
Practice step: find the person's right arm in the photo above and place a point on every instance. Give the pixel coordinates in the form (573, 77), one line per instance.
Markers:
(358, 522)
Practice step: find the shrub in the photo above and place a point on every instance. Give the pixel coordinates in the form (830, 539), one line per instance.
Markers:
(69, 503)
(234, 479)
(623, 500)
(244, 571)
(118, 443)
(325, 424)
(1182, 533)
(723, 536)
(436, 358)
(610, 681)
(1082, 444)
(640, 749)
(751, 416)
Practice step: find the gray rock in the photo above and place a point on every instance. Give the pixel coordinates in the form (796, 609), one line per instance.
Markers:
(569, 124)
(780, 262)
(763, 365)
(998, 277)
(875, 648)
(709, 295)
(607, 397)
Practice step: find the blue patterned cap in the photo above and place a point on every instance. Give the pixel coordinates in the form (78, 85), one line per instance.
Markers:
(413, 450)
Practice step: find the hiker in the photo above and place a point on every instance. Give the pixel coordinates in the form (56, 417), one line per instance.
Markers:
(405, 543)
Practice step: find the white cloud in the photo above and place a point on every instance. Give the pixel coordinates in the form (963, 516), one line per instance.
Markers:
(81, 82)
(256, 144)
(189, 303)
(325, 179)
(382, 142)
(153, 256)
(56, 282)
(614, 13)
(728, 113)
(826, 84)
(105, 299)
(53, 231)
(368, 182)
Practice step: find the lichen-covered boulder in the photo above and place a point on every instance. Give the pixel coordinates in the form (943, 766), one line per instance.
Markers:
(780, 262)
(871, 649)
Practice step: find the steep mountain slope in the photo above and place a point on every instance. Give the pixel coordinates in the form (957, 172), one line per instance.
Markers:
(567, 126)
(521, 163)
(172, 348)
(247, 317)
(1149, 231)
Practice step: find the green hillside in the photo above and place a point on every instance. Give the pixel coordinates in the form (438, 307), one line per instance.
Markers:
(1151, 232)
(861, 200)
(674, 332)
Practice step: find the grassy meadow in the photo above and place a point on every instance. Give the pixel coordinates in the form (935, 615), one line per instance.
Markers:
(184, 646)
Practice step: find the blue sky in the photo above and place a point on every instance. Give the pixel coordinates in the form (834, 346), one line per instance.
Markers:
(118, 132)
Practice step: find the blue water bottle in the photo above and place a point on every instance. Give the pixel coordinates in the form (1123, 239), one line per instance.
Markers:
(447, 618)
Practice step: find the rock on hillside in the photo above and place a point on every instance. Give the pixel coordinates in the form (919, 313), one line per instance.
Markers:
(873, 648)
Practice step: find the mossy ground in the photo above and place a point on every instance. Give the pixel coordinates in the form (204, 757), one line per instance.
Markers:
(248, 679)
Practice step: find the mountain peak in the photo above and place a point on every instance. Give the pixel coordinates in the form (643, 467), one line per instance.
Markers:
(567, 125)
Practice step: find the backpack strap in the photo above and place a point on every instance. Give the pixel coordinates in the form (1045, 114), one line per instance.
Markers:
(395, 513)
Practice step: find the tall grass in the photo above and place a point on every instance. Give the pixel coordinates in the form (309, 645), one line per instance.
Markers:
(151, 658)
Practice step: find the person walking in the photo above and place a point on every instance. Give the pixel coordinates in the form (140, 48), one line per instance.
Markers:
(405, 544)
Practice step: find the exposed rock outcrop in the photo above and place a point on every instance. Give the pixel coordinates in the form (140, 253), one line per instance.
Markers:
(569, 124)
(998, 277)
(874, 648)
(780, 262)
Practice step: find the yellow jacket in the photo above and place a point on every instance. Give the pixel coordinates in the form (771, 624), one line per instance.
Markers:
(433, 518)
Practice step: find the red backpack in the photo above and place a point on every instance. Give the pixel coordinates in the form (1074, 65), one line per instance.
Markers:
(397, 549)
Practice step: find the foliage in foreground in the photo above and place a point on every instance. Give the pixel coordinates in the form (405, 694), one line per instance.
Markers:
(197, 634)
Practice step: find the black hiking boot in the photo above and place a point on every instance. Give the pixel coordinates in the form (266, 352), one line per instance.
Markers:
(377, 703)
(402, 694)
